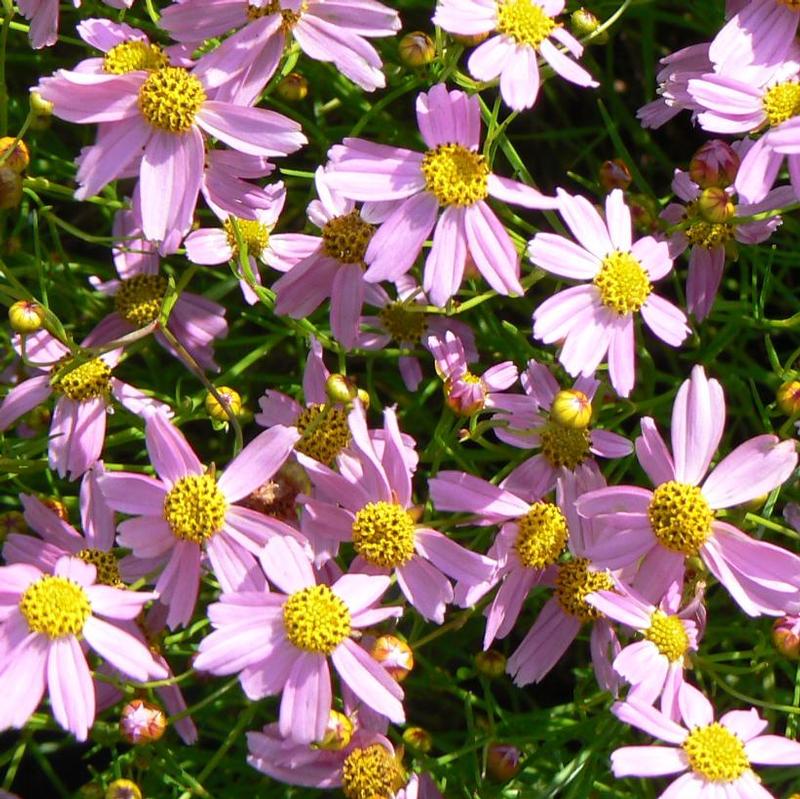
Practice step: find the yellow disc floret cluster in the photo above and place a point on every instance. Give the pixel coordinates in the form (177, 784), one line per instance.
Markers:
(564, 446)
(455, 175)
(542, 535)
(55, 606)
(324, 432)
(383, 534)
(524, 21)
(316, 620)
(715, 753)
(138, 299)
(90, 380)
(372, 773)
(133, 56)
(289, 18)
(680, 517)
(106, 565)
(668, 634)
(255, 236)
(781, 102)
(402, 324)
(623, 283)
(170, 98)
(195, 508)
(346, 238)
(575, 581)
(709, 234)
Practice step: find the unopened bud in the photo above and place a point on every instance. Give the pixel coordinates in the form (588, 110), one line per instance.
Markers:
(418, 738)
(230, 397)
(26, 317)
(470, 39)
(293, 88)
(491, 663)
(416, 49)
(786, 636)
(57, 506)
(584, 23)
(714, 164)
(572, 409)
(788, 396)
(715, 205)
(503, 761)
(10, 188)
(40, 106)
(338, 732)
(363, 398)
(123, 789)
(278, 496)
(17, 158)
(341, 389)
(614, 174)
(394, 655)
(142, 722)
(465, 396)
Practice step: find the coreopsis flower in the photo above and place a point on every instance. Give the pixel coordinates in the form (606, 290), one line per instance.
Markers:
(525, 30)
(715, 758)
(84, 387)
(189, 510)
(243, 64)
(46, 618)
(450, 175)
(597, 319)
(659, 529)
(558, 423)
(370, 504)
(280, 643)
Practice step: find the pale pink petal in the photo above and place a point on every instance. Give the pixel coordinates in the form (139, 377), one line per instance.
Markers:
(169, 452)
(70, 686)
(122, 650)
(306, 702)
(648, 761)
(425, 587)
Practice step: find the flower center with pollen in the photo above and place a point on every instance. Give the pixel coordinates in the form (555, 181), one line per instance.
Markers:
(371, 773)
(55, 606)
(346, 238)
(709, 234)
(90, 380)
(106, 565)
(255, 236)
(564, 446)
(195, 508)
(383, 534)
(574, 583)
(715, 753)
(170, 98)
(455, 175)
(524, 21)
(316, 620)
(133, 56)
(324, 432)
(402, 324)
(542, 535)
(624, 285)
(138, 299)
(668, 634)
(680, 517)
(781, 102)
(290, 18)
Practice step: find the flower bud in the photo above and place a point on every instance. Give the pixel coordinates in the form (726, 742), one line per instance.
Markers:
(26, 317)
(123, 789)
(232, 399)
(572, 409)
(57, 506)
(10, 188)
(788, 396)
(715, 206)
(142, 722)
(584, 23)
(470, 39)
(363, 398)
(714, 164)
(786, 636)
(491, 663)
(503, 761)
(416, 49)
(338, 732)
(40, 106)
(418, 738)
(614, 174)
(293, 88)
(18, 158)
(340, 388)
(394, 655)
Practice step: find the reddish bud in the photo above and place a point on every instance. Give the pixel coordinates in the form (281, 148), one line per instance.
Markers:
(714, 164)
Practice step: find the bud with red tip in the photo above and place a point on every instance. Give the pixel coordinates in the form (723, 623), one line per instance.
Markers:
(715, 206)
(17, 158)
(394, 655)
(614, 175)
(714, 164)
(123, 789)
(232, 399)
(338, 732)
(293, 88)
(142, 722)
(786, 636)
(417, 738)
(416, 49)
(503, 761)
(572, 409)
(788, 397)
(490, 663)
(26, 316)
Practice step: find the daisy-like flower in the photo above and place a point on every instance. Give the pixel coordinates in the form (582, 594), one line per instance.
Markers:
(84, 387)
(715, 758)
(43, 15)
(189, 511)
(598, 319)
(526, 29)
(661, 528)
(45, 621)
(557, 422)
(281, 642)
(451, 175)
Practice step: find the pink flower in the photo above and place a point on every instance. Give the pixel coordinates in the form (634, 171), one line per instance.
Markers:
(526, 29)
(451, 175)
(662, 528)
(189, 511)
(45, 618)
(714, 757)
(598, 319)
(280, 642)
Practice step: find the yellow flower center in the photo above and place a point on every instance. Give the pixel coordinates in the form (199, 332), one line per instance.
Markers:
(715, 753)
(255, 236)
(138, 299)
(564, 446)
(170, 98)
(55, 606)
(133, 56)
(524, 21)
(346, 238)
(90, 380)
(668, 634)
(624, 285)
(324, 432)
(455, 175)
(680, 517)
(371, 773)
(781, 102)
(709, 234)
(290, 18)
(383, 534)
(542, 535)
(106, 564)
(195, 508)
(316, 620)
(574, 583)
(402, 324)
